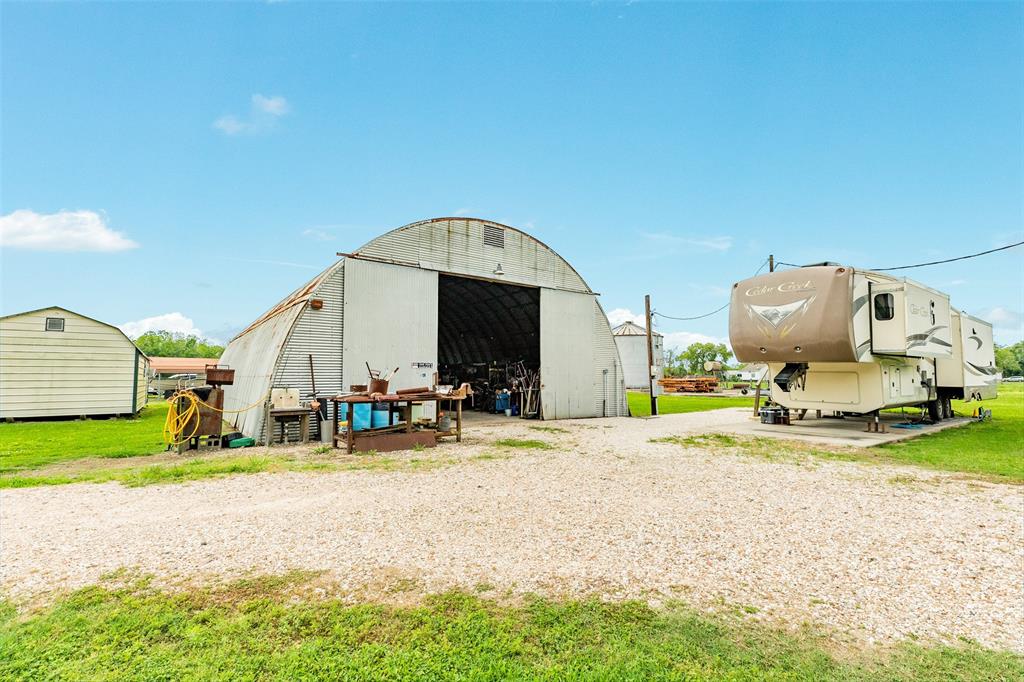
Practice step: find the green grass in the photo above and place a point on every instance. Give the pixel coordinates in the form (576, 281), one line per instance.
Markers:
(188, 470)
(525, 444)
(640, 403)
(550, 429)
(266, 628)
(28, 445)
(993, 447)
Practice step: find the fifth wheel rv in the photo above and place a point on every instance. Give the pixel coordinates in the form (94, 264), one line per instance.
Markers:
(854, 342)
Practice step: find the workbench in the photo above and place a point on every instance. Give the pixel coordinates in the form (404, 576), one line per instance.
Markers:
(285, 415)
(403, 436)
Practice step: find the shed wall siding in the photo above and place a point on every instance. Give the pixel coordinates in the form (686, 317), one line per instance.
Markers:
(318, 333)
(567, 354)
(142, 376)
(88, 369)
(254, 357)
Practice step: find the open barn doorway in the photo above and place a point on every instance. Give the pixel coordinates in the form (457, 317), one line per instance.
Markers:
(488, 335)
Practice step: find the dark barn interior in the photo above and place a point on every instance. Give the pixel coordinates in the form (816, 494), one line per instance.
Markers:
(488, 335)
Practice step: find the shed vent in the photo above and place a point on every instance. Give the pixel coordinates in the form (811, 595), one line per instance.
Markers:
(55, 324)
(494, 236)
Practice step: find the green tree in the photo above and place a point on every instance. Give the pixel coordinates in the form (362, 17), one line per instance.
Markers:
(1010, 359)
(692, 359)
(165, 344)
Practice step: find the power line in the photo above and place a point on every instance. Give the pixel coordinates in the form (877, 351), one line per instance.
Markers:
(695, 317)
(698, 317)
(950, 260)
(934, 262)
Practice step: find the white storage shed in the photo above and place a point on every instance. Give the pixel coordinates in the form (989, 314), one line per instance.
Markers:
(57, 363)
(448, 295)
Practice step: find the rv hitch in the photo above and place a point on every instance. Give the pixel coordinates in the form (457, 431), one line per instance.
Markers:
(793, 374)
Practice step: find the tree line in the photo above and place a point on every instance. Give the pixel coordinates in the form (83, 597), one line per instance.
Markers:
(165, 344)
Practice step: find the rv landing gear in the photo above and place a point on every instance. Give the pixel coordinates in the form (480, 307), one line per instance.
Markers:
(875, 424)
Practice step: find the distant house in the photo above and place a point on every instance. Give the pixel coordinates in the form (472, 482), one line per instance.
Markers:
(631, 340)
(58, 363)
(749, 372)
(170, 373)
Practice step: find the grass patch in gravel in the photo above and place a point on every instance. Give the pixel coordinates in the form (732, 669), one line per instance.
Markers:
(213, 467)
(550, 429)
(521, 443)
(640, 403)
(32, 444)
(266, 628)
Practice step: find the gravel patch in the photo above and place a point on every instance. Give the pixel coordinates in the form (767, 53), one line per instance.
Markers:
(873, 553)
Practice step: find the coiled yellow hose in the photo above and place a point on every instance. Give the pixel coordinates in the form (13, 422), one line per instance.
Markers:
(176, 422)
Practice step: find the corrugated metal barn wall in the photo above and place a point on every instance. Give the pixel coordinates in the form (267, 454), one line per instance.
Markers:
(609, 386)
(253, 356)
(317, 333)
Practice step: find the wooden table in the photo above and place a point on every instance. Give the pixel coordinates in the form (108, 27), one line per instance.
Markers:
(392, 437)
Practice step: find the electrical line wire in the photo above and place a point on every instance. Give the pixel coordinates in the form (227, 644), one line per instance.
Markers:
(695, 317)
(934, 262)
(950, 260)
(698, 317)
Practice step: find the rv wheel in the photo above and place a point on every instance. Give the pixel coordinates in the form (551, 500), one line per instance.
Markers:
(934, 411)
(947, 408)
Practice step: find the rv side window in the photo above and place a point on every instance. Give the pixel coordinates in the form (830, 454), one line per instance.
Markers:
(884, 307)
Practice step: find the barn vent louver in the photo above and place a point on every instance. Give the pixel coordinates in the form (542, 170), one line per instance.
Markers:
(494, 236)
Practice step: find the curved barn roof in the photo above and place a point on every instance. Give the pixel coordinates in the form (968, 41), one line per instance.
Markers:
(453, 245)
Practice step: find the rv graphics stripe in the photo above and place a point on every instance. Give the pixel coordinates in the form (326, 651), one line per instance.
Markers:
(859, 303)
(915, 340)
(980, 371)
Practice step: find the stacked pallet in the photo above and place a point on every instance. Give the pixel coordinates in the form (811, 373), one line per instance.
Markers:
(689, 384)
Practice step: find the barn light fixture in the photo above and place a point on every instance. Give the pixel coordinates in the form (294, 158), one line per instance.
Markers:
(498, 270)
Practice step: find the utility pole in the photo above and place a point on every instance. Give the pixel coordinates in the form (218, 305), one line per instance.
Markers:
(650, 356)
(771, 262)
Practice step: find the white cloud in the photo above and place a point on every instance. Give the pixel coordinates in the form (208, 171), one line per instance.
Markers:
(263, 114)
(170, 322)
(661, 244)
(709, 289)
(681, 340)
(620, 315)
(61, 231)
(275, 106)
(319, 234)
(1003, 318)
(230, 125)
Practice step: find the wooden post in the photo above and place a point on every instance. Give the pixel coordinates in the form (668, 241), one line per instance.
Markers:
(650, 356)
(771, 262)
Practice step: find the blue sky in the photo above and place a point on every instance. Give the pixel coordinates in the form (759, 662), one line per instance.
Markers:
(205, 159)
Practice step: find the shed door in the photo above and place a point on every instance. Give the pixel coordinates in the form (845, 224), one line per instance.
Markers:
(566, 354)
(390, 321)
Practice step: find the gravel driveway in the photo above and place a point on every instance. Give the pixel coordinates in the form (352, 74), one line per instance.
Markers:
(871, 552)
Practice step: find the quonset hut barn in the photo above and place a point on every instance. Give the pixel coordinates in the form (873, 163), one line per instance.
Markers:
(456, 296)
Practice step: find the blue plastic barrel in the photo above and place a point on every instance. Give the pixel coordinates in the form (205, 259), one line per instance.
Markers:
(378, 418)
(360, 416)
(396, 418)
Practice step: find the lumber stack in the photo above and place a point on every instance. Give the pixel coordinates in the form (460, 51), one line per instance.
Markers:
(689, 384)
